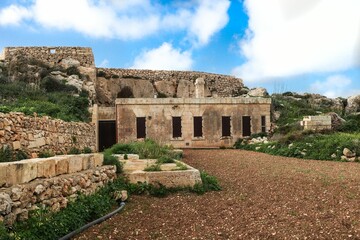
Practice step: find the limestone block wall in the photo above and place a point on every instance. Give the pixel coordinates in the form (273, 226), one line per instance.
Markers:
(158, 115)
(24, 171)
(316, 122)
(52, 55)
(55, 192)
(37, 134)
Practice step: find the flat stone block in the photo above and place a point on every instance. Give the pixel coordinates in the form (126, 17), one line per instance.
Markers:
(29, 170)
(61, 165)
(75, 163)
(88, 161)
(98, 159)
(46, 168)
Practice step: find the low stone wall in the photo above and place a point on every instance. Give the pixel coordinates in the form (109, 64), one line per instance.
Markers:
(52, 55)
(37, 134)
(25, 171)
(55, 193)
(316, 122)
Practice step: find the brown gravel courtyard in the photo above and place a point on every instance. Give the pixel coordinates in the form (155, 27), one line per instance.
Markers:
(263, 197)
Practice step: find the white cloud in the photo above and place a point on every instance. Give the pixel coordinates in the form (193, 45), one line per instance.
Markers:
(13, 15)
(210, 17)
(164, 58)
(104, 63)
(124, 19)
(334, 86)
(291, 37)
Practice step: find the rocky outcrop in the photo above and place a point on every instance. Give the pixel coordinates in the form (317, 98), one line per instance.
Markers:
(353, 104)
(147, 83)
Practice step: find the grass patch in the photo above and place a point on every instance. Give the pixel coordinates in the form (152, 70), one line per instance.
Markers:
(308, 145)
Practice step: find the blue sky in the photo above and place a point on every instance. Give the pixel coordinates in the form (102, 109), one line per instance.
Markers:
(282, 45)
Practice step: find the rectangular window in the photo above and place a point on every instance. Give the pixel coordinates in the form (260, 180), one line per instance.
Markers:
(140, 127)
(52, 51)
(263, 124)
(198, 127)
(226, 126)
(176, 123)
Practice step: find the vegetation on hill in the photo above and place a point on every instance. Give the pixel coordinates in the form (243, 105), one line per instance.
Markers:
(32, 89)
(289, 138)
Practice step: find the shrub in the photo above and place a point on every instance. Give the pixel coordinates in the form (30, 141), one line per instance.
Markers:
(74, 150)
(20, 155)
(153, 168)
(161, 95)
(209, 183)
(45, 154)
(6, 154)
(165, 159)
(109, 159)
(87, 150)
(181, 166)
(51, 84)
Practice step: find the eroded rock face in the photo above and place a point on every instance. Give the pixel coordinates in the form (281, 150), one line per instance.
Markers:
(69, 62)
(166, 87)
(353, 104)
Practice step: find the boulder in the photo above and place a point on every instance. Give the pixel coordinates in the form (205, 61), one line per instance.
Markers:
(353, 104)
(348, 153)
(5, 204)
(336, 120)
(69, 62)
(75, 81)
(258, 92)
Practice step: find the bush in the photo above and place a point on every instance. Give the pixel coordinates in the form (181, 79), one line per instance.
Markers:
(109, 159)
(51, 84)
(87, 150)
(74, 151)
(209, 183)
(6, 154)
(20, 155)
(165, 159)
(153, 168)
(45, 154)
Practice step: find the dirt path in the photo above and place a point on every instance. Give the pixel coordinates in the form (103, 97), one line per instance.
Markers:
(263, 197)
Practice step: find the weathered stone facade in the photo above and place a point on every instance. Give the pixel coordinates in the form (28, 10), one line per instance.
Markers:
(55, 193)
(37, 134)
(52, 55)
(158, 114)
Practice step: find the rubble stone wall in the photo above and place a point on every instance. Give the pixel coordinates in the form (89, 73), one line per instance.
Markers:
(52, 55)
(37, 134)
(55, 192)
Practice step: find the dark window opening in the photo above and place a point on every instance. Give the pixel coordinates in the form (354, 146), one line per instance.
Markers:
(246, 126)
(198, 127)
(52, 51)
(226, 126)
(140, 127)
(263, 124)
(176, 123)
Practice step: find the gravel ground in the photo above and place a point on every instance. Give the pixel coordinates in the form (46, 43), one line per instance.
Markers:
(263, 197)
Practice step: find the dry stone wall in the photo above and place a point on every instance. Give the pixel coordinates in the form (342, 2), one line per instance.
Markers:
(52, 55)
(55, 193)
(37, 134)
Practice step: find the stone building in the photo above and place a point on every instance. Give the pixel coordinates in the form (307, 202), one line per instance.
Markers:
(191, 122)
